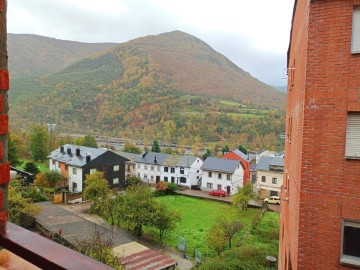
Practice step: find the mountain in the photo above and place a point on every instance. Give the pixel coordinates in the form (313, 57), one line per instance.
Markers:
(172, 86)
(281, 88)
(33, 55)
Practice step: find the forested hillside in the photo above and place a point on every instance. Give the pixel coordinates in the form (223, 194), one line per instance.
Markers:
(173, 87)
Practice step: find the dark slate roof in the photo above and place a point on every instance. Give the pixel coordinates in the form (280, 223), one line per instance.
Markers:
(72, 159)
(149, 158)
(220, 165)
(180, 161)
(130, 156)
(265, 162)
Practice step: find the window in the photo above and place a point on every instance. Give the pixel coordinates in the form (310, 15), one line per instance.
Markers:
(352, 146)
(209, 185)
(263, 179)
(74, 185)
(116, 181)
(139, 166)
(219, 175)
(116, 168)
(145, 167)
(152, 177)
(166, 179)
(145, 176)
(53, 161)
(355, 40)
(92, 171)
(219, 187)
(210, 174)
(172, 170)
(74, 171)
(197, 171)
(166, 169)
(152, 168)
(274, 180)
(228, 177)
(182, 180)
(350, 243)
(172, 179)
(182, 170)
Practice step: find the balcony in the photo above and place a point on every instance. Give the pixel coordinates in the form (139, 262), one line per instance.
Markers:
(40, 251)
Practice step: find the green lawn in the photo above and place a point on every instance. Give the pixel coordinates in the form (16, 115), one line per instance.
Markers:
(197, 217)
(43, 167)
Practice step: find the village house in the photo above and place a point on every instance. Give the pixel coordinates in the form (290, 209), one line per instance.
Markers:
(182, 170)
(75, 162)
(244, 162)
(269, 176)
(130, 164)
(222, 174)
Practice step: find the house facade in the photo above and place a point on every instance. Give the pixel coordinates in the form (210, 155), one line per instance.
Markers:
(269, 176)
(320, 205)
(244, 161)
(224, 174)
(75, 162)
(182, 170)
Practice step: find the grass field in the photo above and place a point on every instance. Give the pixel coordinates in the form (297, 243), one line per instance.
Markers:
(43, 167)
(197, 217)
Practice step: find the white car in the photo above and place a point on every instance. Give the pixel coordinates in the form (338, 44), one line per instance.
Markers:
(273, 200)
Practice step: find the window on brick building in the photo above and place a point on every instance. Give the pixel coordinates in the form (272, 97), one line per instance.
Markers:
(350, 243)
(355, 40)
(352, 146)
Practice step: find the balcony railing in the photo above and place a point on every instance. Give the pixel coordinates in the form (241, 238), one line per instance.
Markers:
(43, 252)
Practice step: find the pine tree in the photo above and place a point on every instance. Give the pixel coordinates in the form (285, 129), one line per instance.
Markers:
(155, 147)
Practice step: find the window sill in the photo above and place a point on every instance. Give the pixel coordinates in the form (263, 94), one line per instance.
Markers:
(350, 260)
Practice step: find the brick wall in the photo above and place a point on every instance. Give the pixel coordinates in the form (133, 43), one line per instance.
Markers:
(4, 120)
(323, 186)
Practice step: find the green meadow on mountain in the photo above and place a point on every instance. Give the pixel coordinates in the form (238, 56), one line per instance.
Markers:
(172, 86)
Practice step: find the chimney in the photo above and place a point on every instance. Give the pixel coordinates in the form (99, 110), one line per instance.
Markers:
(88, 157)
(155, 160)
(62, 149)
(143, 154)
(78, 152)
(69, 151)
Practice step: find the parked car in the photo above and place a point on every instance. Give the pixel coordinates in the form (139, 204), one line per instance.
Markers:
(217, 192)
(272, 200)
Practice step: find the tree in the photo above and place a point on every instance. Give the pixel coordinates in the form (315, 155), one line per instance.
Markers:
(242, 149)
(135, 209)
(50, 179)
(216, 238)
(12, 151)
(164, 219)
(206, 154)
(132, 180)
(230, 227)
(18, 205)
(97, 190)
(131, 148)
(39, 142)
(225, 149)
(155, 147)
(99, 246)
(90, 141)
(243, 196)
(31, 167)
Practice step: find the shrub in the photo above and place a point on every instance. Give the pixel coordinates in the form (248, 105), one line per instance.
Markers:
(171, 188)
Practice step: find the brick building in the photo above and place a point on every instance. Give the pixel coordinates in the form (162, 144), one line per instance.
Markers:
(320, 212)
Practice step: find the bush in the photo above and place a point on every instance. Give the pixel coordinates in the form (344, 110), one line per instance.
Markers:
(171, 188)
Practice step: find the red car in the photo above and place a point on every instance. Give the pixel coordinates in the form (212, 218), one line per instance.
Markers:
(218, 192)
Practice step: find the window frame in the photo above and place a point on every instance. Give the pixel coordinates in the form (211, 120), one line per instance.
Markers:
(274, 180)
(348, 259)
(116, 168)
(355, 32)
(172, 170)
(116, 181)
(263, 179)
(352, 147)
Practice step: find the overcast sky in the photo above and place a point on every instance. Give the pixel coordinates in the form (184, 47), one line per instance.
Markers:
(252, 34)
